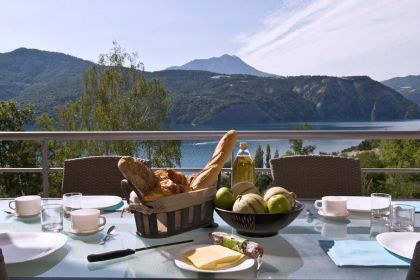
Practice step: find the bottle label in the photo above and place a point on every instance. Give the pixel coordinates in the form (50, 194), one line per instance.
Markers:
(243, 170)
(234, 242)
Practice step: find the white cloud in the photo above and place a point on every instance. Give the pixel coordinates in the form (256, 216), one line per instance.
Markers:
(330, 37)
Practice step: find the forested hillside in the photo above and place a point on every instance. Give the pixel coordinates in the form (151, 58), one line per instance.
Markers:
(47, 79)
(408, 86)
(207, 98)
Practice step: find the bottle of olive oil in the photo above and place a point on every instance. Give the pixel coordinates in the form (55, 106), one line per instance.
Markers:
(243, 166)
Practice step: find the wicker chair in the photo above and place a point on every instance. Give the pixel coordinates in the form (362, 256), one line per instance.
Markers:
(3, 271)
(317, 176)
(414, 269)
(93, 176)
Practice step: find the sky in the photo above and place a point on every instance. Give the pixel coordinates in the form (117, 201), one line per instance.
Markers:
(378, 38)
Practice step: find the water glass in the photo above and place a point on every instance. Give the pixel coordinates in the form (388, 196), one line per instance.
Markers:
(380, 205)
(378, 226)
(71, 201)
(402, 217)
(52, 217)
(331, 229)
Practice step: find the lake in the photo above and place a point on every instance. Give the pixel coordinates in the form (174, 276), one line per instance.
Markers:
(195, 154)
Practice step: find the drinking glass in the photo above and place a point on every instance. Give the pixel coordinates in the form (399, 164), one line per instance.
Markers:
(378, 226)
(71, 201)
(402, 217)
(52, 217)
(380, 205)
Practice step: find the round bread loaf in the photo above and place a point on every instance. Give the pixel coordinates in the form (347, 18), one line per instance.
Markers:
(154, 194)
(137, 173)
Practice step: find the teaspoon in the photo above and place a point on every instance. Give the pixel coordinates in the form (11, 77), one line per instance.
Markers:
(109, 232)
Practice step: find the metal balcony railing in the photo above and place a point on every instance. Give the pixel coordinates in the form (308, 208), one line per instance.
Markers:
(44, 137)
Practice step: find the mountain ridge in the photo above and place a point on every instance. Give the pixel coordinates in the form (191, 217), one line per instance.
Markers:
(225, 64)
(300, 98)
(408, 86)
(47, 80)
(28, 75)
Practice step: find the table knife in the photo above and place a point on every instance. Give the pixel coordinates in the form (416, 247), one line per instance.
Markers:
(122, 253)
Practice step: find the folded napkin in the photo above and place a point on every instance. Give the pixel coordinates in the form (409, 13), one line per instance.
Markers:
(361, 253)
(415, 203)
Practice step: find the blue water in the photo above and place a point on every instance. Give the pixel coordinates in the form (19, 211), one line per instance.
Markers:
(195, 154)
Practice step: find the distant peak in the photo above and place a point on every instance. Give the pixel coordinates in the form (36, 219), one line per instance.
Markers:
(20, 50)
(224, 64)
(29, 51)
(25, 51)
(228, 56)
(44, 53)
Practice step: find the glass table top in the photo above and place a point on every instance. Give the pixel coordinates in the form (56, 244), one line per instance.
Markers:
(292, 254)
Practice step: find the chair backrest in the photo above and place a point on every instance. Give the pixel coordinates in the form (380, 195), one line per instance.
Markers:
(93, 176)
(3, 271)
(317, 176)
(414, 269)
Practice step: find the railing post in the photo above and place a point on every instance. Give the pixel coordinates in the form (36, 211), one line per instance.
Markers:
(45, 167)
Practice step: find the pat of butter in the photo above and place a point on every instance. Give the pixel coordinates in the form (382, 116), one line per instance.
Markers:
(213, 257)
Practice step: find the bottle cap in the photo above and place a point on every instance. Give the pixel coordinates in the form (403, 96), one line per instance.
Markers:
(243, 145)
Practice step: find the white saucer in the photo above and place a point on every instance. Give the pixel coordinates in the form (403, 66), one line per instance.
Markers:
(26, 216)
(333, 217)
(90, 232)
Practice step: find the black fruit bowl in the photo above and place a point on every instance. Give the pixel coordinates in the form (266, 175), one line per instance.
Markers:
(259, 225)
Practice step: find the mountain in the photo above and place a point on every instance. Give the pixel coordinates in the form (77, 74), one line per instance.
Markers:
(43, 78)
(205, 98)
(408, 86)
(226, 64)
(47, 79)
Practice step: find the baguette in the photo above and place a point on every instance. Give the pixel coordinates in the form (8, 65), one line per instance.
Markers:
(208, 176)
(137, 173)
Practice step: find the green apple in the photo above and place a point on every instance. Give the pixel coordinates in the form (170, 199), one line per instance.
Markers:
(224, 198)
(279, 204)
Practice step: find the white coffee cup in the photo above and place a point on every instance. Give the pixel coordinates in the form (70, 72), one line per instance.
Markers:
(331, 230)
(85, 220)
(332, 205)
(27, 205)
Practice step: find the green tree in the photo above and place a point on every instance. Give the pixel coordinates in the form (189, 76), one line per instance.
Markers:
(17, 153)
(267, 156)
(390, 153)
(372, 182)
(401, 154)
(297, 144)
(365, 145)
(44, 122)
(276, 153)
(117, 97)
(263, 181)
(259, 157)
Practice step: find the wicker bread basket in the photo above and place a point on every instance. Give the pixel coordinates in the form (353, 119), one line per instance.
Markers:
(170, 215)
